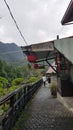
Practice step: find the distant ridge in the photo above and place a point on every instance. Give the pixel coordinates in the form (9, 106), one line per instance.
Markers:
(11, 53)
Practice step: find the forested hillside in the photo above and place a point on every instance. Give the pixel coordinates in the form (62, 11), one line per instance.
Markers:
(11, 53)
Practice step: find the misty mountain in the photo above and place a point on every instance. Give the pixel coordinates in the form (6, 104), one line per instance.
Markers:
(11, 53)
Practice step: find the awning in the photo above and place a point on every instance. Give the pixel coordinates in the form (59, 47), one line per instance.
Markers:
(68, 16)
(43, 50)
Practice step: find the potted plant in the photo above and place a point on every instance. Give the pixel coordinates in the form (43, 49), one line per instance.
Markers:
(53, 89)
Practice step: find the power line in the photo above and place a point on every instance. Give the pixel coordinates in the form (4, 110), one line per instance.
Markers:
(15, 22)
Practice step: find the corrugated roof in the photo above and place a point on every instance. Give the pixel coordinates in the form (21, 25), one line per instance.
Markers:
(68, 16)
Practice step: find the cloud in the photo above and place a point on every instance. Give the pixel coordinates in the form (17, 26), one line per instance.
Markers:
(38, 20)
(42, 34)
(67, 31)
(2, 30)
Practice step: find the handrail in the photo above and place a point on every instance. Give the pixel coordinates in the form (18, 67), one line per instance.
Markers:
(17, 101)
(6, 97)
(9, 95)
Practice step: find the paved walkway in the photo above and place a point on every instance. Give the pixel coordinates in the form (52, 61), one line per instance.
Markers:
(47, 113)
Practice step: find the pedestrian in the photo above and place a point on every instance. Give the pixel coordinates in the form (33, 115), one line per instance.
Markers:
(44, 80)
(49, 80)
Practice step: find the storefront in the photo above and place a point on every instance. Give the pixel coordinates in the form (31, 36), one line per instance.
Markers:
(64, 61)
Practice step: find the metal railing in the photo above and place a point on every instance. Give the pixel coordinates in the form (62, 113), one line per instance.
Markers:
(16, 102)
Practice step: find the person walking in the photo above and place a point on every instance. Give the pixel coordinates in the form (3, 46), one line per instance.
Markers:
(44, 80)
(49, 80)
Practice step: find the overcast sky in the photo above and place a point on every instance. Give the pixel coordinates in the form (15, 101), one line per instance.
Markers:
(38, 20)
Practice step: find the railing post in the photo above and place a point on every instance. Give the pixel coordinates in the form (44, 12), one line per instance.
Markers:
(25, 97)
(12, 101)
(12, 115)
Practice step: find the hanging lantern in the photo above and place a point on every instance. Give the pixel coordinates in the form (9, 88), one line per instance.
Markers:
(58, 63)
(58, 58)
(35, 66)
(31, 58)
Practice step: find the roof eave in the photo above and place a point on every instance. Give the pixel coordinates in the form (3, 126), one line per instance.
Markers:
(65, 18)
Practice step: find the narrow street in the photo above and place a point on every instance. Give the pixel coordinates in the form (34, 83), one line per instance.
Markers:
(47, 113)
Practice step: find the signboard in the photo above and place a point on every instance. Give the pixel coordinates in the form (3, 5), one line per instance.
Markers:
(47, 46)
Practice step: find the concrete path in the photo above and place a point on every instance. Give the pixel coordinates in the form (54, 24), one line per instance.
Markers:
(48, 113)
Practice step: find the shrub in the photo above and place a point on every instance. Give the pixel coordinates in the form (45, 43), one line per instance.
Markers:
(32, 80)
(17, 81)
(53, 89)
(3, 82)
(13, 88)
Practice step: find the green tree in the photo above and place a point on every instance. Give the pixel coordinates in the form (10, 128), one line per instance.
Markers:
(17, 81)
(2, 69)
(3, 82)
(11, 72)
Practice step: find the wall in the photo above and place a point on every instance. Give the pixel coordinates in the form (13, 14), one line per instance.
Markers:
(65, 46)
(71, 74)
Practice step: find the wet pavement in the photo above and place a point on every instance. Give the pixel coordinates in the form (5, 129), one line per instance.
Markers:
(48, 113)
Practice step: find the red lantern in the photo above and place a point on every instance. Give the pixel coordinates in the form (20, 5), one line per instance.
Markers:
(36, 66)
(31, 58)
(58, 63)
(58, 58)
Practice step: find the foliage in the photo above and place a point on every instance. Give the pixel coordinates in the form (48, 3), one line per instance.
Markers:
(32, 80)
(7, 71)
(53, 89)
(1, 92)
(11, 77)
(53, 86)
(11, 72)
(3, 82)
(17, 81)
(12, 88)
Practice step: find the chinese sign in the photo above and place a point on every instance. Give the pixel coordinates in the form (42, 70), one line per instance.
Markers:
(47, 46)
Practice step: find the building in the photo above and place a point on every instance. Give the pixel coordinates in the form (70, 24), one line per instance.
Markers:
(61, 51)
